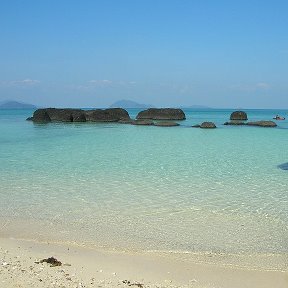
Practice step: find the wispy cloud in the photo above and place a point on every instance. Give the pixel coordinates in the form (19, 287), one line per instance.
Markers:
(20, 83)
(263, 85)
(110, 83)
(95, 84)
(182, 88)
(260, 86)
(100, 83)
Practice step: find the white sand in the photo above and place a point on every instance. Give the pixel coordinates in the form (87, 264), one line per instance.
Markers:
(92, 268)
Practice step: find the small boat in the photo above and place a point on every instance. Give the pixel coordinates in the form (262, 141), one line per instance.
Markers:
(278, 118)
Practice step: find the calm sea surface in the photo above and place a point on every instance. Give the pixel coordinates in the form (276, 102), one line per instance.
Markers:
(147, 188)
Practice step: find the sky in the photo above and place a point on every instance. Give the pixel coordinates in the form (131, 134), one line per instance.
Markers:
(168, 53)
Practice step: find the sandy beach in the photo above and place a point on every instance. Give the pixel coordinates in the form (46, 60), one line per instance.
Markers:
(21, 266)
(143, 144)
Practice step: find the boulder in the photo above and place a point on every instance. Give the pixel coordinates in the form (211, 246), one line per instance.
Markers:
(166, 124)
(78, 115)
(129, 121)
(107, 115)
(208, 125)
(162, 114)
(262, 123)
(196, 126)
(238, 115)
(61, 115)
(142, 122)
(236, 123)
(41, 116)
(119, 113)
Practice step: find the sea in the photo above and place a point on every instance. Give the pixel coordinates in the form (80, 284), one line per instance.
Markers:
(213, 194)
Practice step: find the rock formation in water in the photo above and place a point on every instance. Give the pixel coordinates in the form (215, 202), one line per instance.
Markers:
(262, 123)
(78, 115)
(238, 115)
(162, 114)
(205, 125)
(283, 166)
(40, 115)
(235, 123)
(166, 124)
(208, 125)
(143, 122)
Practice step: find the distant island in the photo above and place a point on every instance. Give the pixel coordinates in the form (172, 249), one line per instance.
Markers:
(16, 105)
(129, 104)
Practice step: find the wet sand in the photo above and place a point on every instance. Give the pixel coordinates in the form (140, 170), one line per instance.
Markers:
(82, 267)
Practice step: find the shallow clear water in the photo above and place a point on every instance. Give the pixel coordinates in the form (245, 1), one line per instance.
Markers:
(150, 188)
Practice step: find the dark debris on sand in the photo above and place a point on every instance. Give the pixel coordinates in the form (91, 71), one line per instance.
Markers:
(133, 284)
(51, 260)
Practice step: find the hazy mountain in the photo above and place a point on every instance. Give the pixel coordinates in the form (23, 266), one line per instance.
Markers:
(16, 105)
(129, 104)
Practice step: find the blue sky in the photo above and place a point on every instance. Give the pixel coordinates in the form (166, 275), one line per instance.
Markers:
(167, 53)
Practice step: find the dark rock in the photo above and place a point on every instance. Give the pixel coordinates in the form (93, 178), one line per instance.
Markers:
(129, 283)
(142, 122)
(238, 115)
(162, 114)
(29, 119)
(130, 121)
(208, 125)
(78, 115)
(283, 166)
(107, 115)
(61, 115)
(119, 113)
(41, 116)
(262, 123)
(236, 123)
(166, 124)
(196, 126)
(53, 261)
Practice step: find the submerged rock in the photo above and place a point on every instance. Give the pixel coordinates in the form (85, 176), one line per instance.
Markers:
(205, 125)
(262, 123)
(236, 123)
(142, 122)
(283, 166)
(166, 124)
(208, 125)
(162, 114)
(238, 115)
(128, 121)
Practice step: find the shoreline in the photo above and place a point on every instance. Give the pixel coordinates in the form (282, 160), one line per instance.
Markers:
(102, 268)
(35, 233)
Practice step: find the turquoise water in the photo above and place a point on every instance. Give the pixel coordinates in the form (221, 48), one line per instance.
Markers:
(147, 188)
